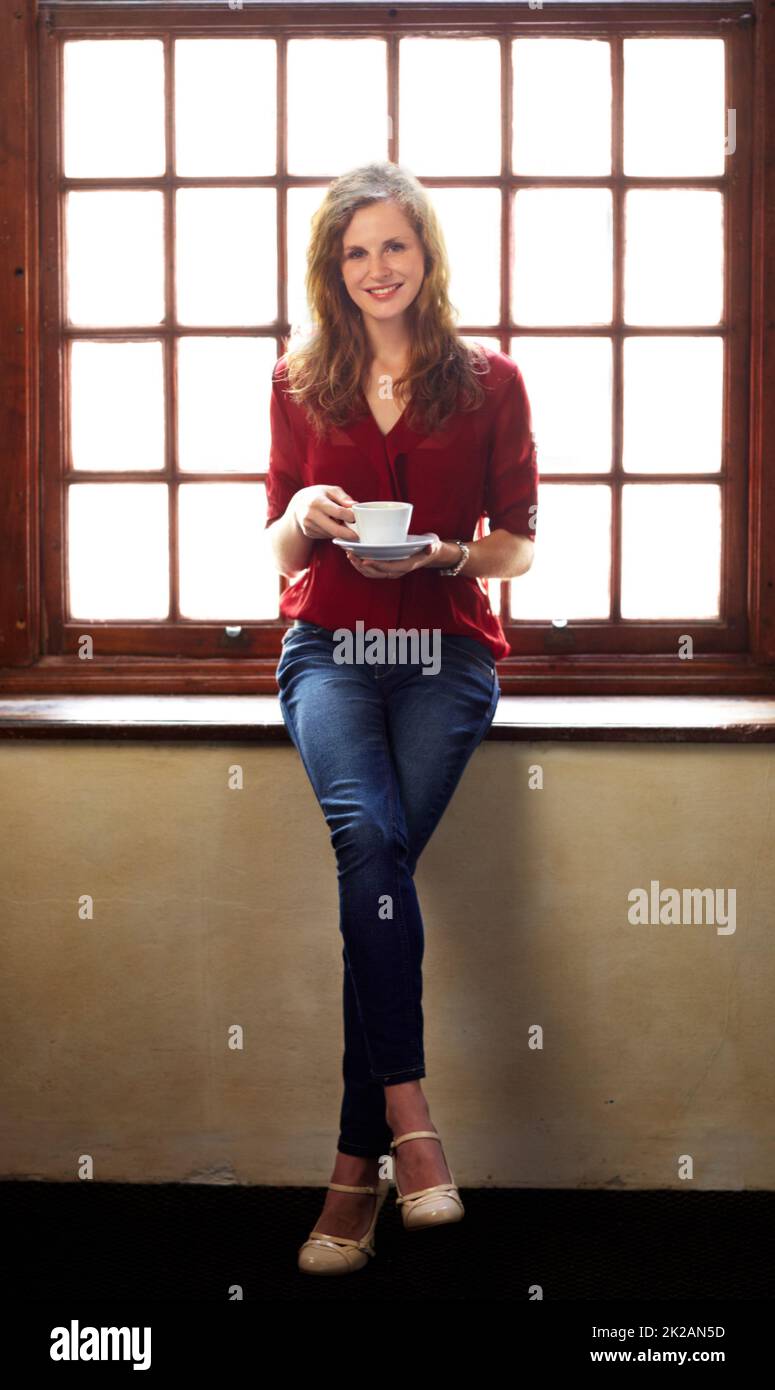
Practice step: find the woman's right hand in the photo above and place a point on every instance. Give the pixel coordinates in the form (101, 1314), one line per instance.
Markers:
(322, 512)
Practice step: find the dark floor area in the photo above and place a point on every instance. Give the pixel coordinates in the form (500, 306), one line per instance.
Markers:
(91, 1241)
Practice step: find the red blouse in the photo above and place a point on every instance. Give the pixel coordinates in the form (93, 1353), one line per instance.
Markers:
(482, 463)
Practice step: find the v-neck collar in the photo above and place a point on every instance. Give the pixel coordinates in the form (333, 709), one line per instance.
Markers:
(398, 439)
(394, 426)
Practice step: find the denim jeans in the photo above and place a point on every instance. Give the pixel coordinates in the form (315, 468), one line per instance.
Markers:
(384, 747)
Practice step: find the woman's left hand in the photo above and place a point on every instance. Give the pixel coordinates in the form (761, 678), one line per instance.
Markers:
(394, 569)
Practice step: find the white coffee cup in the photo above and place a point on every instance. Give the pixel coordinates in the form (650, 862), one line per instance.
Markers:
(382, 523)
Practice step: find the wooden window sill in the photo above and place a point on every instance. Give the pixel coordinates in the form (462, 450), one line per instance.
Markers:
(246, 718)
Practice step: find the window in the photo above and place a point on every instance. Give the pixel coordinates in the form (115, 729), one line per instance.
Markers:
(594, 179)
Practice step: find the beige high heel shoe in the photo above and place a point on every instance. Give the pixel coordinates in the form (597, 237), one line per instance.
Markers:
(430, 1206)
(324, 1254)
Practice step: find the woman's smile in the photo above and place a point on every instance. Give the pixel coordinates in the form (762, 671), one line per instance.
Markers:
(385, 291)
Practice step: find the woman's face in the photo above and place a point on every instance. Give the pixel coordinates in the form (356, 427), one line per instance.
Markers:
(380, 250)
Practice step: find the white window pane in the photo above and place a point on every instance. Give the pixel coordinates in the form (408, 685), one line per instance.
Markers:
(224, 386)
(118, 551)
(562, 106)
(671, 550)
(337, 104)
(117, 405)
(234, 131)
(494, 594)
(569, 384)
(227, 255)
(673, 399)
(674, 256)
(563, 256)
(115, 257)
(471, 226)
(439, 135)
(486, 341)
(571, 574)
(674, 109)
(113, 108)
(302, 203)
(224, 574)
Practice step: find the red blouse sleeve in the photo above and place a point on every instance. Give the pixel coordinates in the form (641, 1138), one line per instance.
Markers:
(511, 488)
(284, 476)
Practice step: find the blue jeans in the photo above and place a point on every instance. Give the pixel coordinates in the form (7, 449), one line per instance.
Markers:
(384, 748)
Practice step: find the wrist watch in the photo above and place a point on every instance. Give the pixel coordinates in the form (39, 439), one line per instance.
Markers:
(455, 569)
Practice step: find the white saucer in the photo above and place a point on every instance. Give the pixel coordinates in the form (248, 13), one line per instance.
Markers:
(396, 550)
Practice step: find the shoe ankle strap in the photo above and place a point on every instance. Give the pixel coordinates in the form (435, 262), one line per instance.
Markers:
(342, 1187)
(415, 1134)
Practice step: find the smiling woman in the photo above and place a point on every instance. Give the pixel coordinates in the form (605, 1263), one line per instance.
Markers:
(445, 426)
(394, 375)
(377, 228)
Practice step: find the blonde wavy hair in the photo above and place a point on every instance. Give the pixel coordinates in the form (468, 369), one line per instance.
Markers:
(327, 370)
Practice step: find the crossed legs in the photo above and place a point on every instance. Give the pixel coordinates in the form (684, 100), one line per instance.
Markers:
(384, 755)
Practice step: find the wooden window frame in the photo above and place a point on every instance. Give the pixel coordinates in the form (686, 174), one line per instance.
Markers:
(735, 655)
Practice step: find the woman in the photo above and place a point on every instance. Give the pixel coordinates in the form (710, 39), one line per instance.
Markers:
(384, 401)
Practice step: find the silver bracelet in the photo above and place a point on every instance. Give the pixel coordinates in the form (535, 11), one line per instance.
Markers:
(455, 569)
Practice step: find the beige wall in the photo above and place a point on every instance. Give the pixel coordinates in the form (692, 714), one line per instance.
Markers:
(215, 907)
